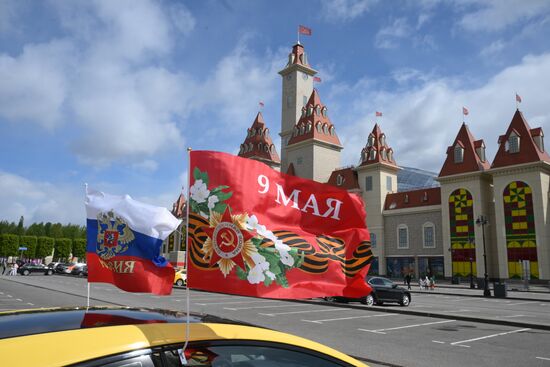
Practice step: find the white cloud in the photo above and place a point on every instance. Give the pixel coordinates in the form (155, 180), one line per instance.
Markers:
(147, 165)
(8, 12)
(420, 123)
(392, 34)
(496, 15)
(40, 201)
(493, 49)
(344, 10)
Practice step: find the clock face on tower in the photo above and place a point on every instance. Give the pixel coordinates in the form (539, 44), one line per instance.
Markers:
(305, 76)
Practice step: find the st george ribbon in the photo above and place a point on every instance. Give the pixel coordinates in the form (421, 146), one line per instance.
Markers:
(257, 232)
(124, 238)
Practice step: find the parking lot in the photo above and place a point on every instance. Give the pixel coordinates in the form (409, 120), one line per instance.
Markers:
(378, 335)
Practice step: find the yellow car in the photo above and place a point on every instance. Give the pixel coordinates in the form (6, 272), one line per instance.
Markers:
(180, 278)
(126, 337)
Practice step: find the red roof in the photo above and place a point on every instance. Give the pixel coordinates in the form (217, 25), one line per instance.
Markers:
(344, 178)
(413, 198)
(258, 144)
(179, 208)
(377, 149)
(314, 123)
(528, 150)
(471, 162)
(297, 56)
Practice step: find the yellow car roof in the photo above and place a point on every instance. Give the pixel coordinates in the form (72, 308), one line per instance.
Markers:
(82, 344)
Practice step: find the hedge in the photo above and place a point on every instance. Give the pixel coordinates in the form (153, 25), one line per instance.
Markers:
(44, 247)
(63, 247)
(30, 243)
(79, 248)
(9, 245)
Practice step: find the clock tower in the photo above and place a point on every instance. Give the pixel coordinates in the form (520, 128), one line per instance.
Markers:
(297, 88)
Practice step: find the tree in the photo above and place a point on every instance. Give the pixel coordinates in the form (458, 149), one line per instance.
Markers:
(30, 243)
(9, 244)
(56, 230)
(79, 248)
(44, 247)
(47, 229)
(21, 226)
(63, 247)
(36, 229)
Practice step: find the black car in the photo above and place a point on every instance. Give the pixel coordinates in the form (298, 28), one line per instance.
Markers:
(63, 268)
(27, 269)
(78, 269)
(383, 290)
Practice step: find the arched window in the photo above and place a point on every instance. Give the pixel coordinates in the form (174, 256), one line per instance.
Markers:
(324, 111)
(383, 154)
(428, 235)
(332, 130)
(458, 154)
(250, 147)
(309, 110)
(260, 147)
(372, 154)
(325, 129)
(317, 110)
(318, 126)
(303, 111)
(390, 155)
(339, 180)
(252, 132)
(383, 140)
(302, 129)
(308, 127)
(272, 148)
(513, 143)
(370, 142)
(402, 236)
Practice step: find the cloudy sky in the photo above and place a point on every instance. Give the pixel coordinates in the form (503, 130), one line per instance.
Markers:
(111, 93)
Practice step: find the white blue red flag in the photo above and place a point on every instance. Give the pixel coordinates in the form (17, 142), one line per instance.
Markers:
(124, 238)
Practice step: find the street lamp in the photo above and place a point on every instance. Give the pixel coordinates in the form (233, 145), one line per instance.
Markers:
(471, 275)
(483, 221)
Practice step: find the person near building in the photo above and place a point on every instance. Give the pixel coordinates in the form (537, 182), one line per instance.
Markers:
(408, 280)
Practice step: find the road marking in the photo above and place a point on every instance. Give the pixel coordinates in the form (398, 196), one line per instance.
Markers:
(248, 308)
(438, 342)
(307, 311)
(32, 304)
(464, 310)
(18, 299)
(544, 359)
(230, 303)
(346, 318)
(489, 336)
(381, 331)
(519, 303)
(512, 316)
(9, 296)
(211, 299)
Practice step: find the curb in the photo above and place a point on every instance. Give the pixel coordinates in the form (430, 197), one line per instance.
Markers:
(481, 296)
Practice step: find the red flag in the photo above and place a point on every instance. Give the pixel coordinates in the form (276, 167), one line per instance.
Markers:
(317, 79)
(261, 104)
(378, 114)
(518, 98)
(465, 111)
(258, 232)
(304, 30)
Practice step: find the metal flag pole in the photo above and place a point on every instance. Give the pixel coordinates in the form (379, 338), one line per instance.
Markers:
(298, 34)
(88, 293)
(185, 265)
(88, 298)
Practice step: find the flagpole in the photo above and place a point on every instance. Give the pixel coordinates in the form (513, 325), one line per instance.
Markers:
(88, 293)
(185, 266)
(517, 103)
(88, 298)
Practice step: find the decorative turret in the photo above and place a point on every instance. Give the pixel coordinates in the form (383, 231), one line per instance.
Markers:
(314, 124)
(377, 149)
(520, 144)
(179, 208)
(465, 155)
(258, 144)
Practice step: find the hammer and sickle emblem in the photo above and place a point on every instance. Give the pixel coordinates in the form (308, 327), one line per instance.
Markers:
(228, 239)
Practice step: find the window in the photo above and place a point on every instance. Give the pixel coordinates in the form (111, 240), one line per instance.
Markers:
(318, 126)
(513, 143)
(383, 154)
(339, 180)
(368, 183)
(389, 185)
(459, 154)
(325, 128)
(390, 155)
(370, 142)
(373, 240)
(372, 154)
(299, 160)
(332, 130)
(324, 111)
(402, 237)
(428, 235)
(383, 140)
(317, 110)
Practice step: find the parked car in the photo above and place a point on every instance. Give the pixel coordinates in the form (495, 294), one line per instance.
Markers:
(64, 268)
(27, 269)
(99, 336)
(383, 290)
(85, 271)
(52, 265)
(180, 278)
(78, 269)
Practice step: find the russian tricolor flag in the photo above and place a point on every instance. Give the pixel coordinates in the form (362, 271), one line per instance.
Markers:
(124, 238)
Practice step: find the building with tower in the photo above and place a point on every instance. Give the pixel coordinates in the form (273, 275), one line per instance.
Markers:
(475, 208)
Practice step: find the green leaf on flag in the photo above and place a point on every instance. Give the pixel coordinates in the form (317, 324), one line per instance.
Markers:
(241, 273)
(268, 281)
(219, 207)
(222, 196)
(281, 280)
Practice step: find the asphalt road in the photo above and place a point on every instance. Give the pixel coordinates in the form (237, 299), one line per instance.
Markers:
(375, 334)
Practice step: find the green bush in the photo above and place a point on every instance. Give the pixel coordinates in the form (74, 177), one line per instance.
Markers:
(44, 247)
(30, 243)
(9, 245)
(79, 248)
(63, 247)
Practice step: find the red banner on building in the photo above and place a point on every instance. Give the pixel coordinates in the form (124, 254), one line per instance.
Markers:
(257, 232)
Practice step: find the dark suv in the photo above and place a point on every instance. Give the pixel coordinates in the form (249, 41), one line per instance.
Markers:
(383, 290)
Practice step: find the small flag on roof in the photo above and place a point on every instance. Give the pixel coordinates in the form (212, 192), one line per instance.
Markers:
(518, 98)
(316, 79)
(465, 111)
(261, 104)
(378, 114)
(304, 30)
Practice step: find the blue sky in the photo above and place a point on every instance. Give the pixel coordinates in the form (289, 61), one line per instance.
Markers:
(113, 92)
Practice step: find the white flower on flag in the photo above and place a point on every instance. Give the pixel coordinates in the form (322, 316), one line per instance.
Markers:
(281, 248)
(283, 251)
(212, 200)
(199, 191)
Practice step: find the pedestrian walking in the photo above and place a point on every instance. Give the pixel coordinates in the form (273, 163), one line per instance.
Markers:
(4, 266)
(408, 280)
(14, 268)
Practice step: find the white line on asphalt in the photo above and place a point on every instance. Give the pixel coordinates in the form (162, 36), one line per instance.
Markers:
(230, 303)
(464, 310)
(307, 311)
(464, 346)
(512, 316)
(346, 318)
(248, 308)
(407, 326)
(519, 303)
(490, 336)
(544, 359)
(18, 299)
(212, 299)
(32, 304)
(438, 342)
(9, 296)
